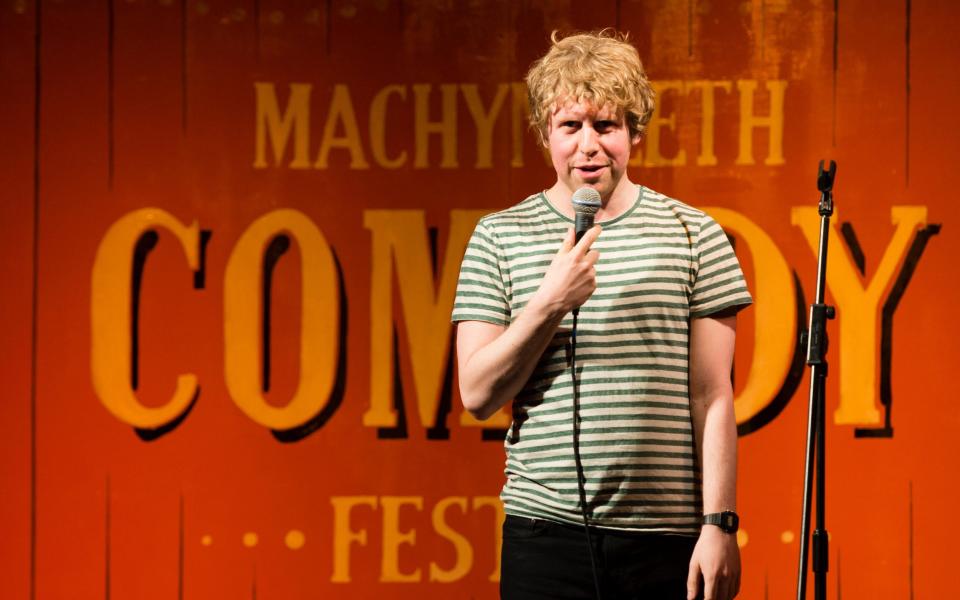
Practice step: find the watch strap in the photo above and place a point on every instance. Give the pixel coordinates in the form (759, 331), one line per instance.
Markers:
(727, 520)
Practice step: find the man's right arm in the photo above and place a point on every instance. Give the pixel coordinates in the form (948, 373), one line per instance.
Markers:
(494, 361)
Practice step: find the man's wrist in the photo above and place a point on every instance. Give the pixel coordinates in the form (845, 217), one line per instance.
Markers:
(545, 309)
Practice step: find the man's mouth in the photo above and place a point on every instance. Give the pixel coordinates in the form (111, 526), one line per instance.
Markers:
(589, 169)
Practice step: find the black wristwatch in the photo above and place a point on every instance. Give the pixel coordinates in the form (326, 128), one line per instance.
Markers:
(727, 520)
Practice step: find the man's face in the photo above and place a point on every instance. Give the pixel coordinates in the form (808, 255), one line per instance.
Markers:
(589, 147)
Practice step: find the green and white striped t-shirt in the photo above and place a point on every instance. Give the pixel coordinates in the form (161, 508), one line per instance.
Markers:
(661, 263)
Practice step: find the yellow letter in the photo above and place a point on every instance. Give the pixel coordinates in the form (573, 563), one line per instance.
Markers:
(378, 127)
(708, 112)
(446, 127)
(654, 159)
(484, 120)
(343, 536)
(341, 110)
(749, 121)
(319, 320)
(400, 241)
(295, 118)
(464, 551)
(110, 318)
(858, 309)
(393, 538)
(497, 506)
(775, 331)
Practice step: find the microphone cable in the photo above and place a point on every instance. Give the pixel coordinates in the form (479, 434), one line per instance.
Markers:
(581, 478)
(586, 202)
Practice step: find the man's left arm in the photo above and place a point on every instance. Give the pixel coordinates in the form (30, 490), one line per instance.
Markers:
(715, 564)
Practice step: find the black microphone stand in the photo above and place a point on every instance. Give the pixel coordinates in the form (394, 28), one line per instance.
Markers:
(816, 351)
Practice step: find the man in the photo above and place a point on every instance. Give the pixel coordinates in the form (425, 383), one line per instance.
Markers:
(657, 286)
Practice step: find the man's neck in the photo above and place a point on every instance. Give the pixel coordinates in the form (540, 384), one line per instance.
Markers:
(619, 202)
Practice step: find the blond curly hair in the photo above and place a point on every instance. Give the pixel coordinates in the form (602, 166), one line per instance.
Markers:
(601, 68)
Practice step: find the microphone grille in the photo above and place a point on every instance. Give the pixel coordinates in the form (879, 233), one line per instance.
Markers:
(586, 201)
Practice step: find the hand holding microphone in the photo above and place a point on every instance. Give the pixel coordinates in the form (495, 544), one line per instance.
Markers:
(572, 277)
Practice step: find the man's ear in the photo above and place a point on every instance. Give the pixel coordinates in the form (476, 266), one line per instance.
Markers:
(636, 138)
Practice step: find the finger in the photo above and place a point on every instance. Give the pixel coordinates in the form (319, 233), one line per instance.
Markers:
(592, 257)
(587, 240)
(693, 580)
(568, 241)
(709, 588)
(723, 589)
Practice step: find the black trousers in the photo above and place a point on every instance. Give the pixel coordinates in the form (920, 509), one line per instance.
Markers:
(543, 560)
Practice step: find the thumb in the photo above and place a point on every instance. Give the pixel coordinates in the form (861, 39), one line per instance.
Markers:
(693, 580)
(589, 237)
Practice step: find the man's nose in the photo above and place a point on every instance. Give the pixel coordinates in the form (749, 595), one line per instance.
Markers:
(589, 141)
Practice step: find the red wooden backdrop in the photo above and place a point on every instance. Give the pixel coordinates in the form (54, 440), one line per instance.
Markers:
(108, 109)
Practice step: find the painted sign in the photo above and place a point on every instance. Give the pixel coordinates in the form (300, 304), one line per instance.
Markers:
(231, 236)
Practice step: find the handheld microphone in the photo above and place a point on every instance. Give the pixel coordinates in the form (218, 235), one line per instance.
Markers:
(586, 202)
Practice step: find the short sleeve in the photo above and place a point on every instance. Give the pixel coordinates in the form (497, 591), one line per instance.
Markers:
(481, 289)
(719, 282)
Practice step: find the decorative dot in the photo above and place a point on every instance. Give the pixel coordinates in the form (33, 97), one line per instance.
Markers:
(250, 539)
(787, 537)
(742, 538)
(295, 539)
(348, 11)
(207, 540)
(203, 8)
(166, 2)
(276, 17)
(20, 7)
(238, 14)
